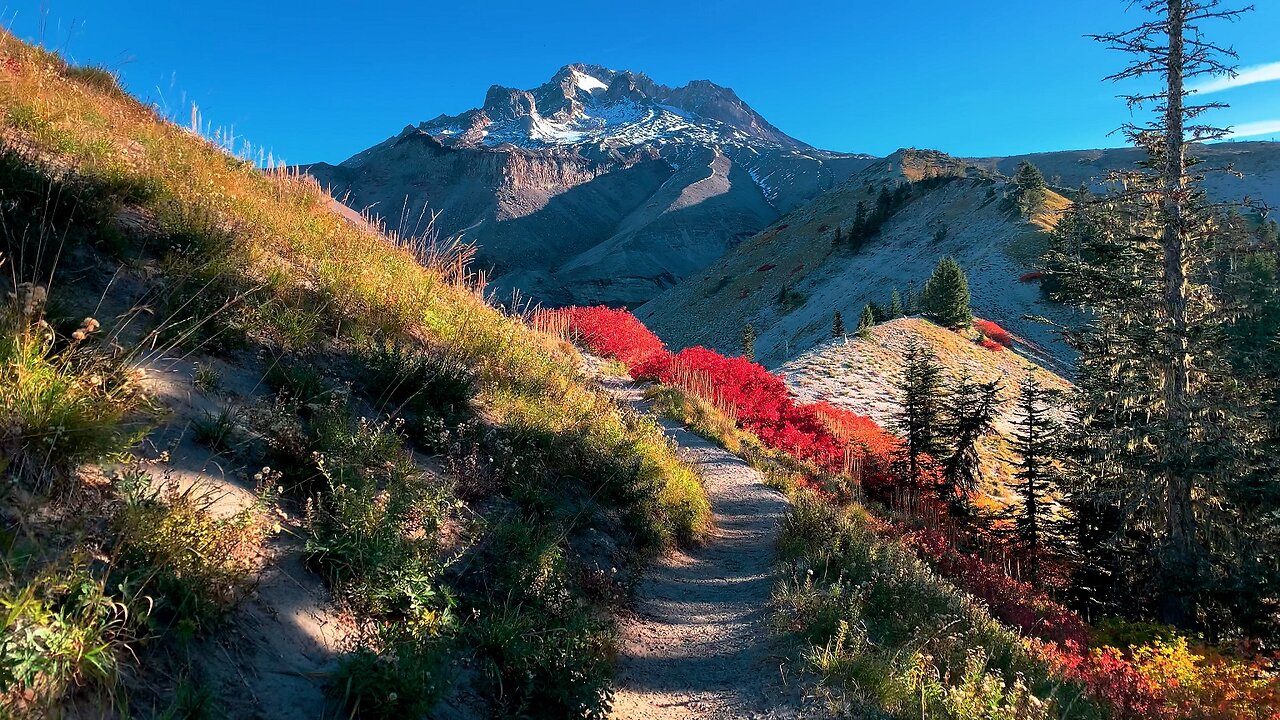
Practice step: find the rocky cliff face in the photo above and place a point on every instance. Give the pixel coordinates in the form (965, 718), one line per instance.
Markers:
(598, 186)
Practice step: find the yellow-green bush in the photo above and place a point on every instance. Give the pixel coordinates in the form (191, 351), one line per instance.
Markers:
(59, 629)
(195, 563)
(62, 402)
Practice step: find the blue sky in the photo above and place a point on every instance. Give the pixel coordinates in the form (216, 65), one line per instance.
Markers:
(323, 79)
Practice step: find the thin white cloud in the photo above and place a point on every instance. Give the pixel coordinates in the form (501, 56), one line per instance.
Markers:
(1254, 129)
(1247, 76)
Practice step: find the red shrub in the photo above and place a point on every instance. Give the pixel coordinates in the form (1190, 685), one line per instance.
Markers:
(614, 334)
(991, 345)
(760, 400)
(1017, 603)
(993, 332)
(766, 267)
(1028, 277)
(866, 444)
(831, 438)
(1107, 675)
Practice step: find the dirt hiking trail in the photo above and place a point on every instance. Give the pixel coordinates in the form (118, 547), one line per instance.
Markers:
(698, 644)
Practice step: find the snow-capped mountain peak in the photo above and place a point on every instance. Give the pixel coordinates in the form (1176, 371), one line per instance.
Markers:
(591, 105)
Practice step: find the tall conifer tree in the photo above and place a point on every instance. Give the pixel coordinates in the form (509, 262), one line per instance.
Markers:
(1154, 428)
(919, 417)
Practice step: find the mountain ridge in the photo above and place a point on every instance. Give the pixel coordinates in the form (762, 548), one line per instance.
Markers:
(602, 186)
(559, 113)
(598, 186)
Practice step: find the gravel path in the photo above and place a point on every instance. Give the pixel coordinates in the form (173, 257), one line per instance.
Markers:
(698, 645)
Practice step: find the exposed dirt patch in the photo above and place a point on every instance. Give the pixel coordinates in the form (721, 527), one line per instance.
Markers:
(273, 655)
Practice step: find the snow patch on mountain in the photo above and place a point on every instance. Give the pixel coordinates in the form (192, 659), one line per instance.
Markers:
(587, 83)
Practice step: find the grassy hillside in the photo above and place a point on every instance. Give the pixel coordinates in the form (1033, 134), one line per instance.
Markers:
(261, 458)
(861, 375)
(788, 280)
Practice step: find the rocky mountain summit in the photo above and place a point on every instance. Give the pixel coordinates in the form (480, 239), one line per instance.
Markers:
(596, 186)
(607, 113)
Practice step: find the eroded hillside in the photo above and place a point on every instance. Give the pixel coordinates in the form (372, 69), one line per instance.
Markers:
(789, 280)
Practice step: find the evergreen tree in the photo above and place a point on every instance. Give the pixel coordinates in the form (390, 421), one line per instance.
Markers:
(1253, 290)
(838, 238)
(1157, 404)
(970, 414)
(945, 297)
(749, 342)
(884, 206)
(858, 231)
(901, 194)
(911, 300)
(919, 416)
(895, 305)
(1028, 177)
(1032, 192)
(837, 325)
(1097, 267)
(866, 321)
(1037, 446)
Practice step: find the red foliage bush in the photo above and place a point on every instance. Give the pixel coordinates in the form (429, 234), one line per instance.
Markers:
(822, 434)
(762, 404)
(766, 267)
(1107, 675)
(993, 332)
(614, 334)
(991, 345)
(1015, 602)
(867, 444)
(1028, 277)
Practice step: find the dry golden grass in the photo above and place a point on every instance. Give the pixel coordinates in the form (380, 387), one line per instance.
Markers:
(1055, 206)
(297, 246)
